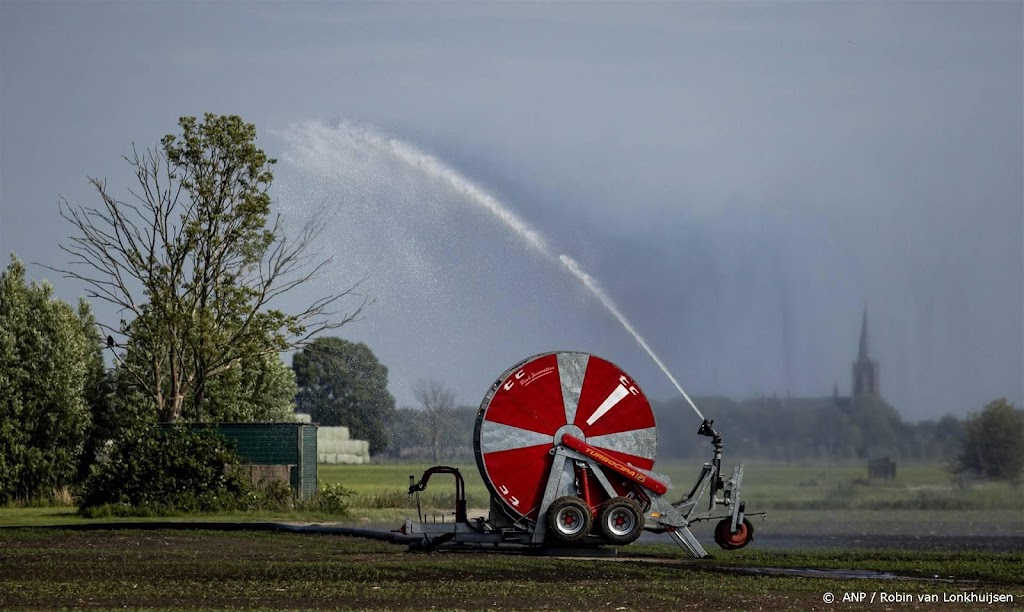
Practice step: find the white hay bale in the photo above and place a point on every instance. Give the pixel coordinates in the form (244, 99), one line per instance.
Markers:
(334, 445)
(348, 447)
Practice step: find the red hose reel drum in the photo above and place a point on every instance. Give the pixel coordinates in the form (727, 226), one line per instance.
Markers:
(528, 409)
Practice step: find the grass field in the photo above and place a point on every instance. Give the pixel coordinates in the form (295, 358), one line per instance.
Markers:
(217, 570)
(825, 498)
(770, 486)
(828, 499)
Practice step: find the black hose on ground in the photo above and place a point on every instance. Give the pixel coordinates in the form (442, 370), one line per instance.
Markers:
(353, 532)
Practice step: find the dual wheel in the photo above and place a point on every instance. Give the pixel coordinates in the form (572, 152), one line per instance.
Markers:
(619, 520)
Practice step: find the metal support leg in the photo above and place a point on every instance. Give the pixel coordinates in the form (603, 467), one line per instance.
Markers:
(561, 473)
(685, 539)
(737, 487)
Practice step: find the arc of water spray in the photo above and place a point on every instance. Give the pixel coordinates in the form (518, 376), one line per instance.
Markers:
(591, 284)
(435, 168)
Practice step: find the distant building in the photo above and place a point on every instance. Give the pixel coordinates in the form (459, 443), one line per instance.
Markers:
(882, 469)
(865, 369)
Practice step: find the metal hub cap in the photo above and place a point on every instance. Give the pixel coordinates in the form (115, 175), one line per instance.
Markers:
(570, 521)
(621, 522)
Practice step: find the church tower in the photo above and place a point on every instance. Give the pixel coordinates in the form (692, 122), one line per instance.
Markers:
(865, 370)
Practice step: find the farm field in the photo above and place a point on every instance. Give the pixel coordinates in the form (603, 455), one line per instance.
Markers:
(46, 569)
(775, 486)
(944, 540)
(801, 499)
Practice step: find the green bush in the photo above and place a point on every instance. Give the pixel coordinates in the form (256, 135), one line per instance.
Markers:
(154, 470)
(276, 495)
(333, 499)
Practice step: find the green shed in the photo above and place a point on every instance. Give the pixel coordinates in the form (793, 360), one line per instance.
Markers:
(291, 444)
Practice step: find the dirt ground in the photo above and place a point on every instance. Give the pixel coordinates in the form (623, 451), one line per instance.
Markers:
(211, 569)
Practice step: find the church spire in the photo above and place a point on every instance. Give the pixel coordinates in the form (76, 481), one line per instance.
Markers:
(863, 354)
(865, 369)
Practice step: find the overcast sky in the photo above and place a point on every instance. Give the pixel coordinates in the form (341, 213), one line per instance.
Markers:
(743, 179)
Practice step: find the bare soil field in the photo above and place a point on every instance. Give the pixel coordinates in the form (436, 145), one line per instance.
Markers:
(97, 569)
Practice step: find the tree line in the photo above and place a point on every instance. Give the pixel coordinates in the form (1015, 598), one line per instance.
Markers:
(988, 444)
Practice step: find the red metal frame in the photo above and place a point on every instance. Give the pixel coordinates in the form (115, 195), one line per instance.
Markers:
(614, 464)
(585, 488)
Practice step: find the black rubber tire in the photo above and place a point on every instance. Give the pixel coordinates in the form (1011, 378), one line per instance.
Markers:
(620, 520)
(569, 519)
(732, 541)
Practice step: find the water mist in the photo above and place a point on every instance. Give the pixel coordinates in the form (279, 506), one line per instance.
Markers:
(367, 139)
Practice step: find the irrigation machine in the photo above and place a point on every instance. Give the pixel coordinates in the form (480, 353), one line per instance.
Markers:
(565, 442)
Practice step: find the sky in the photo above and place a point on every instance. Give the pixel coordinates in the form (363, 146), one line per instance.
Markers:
(743, 180)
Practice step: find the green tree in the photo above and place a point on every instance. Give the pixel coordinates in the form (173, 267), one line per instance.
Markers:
(44, 378)
(262, 388)
(343, 383)
(993, 443)
(258, 387)
(99, 386)
(195, 262)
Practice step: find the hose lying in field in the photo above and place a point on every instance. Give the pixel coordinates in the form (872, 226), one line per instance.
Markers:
(372, 534)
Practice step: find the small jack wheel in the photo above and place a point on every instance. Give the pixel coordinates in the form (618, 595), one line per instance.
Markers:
(620, 520)
(569, 519)
(728, 540)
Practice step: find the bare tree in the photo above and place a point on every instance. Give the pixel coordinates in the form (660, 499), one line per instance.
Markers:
(194, 263)
(437, 403)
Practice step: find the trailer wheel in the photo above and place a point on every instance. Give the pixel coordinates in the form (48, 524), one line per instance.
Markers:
(569, 519)
(728, 540)
(620, 520)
